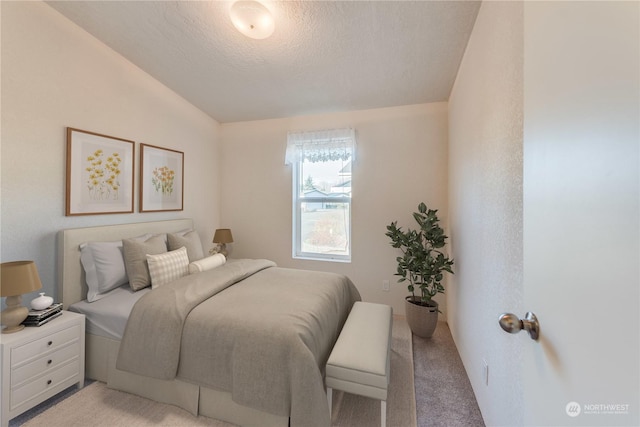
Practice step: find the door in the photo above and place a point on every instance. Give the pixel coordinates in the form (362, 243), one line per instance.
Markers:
(581, 212)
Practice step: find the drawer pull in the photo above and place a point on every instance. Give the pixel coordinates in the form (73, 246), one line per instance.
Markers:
(49, 343)
(48, 382)
(49, 362)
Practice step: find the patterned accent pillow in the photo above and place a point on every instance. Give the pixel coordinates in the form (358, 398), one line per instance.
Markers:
(167, 267)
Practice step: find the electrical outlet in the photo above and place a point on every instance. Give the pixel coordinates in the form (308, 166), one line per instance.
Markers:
(485, 372)
(385, 285)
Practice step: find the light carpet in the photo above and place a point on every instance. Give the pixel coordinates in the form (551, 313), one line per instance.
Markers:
(444, 394)
(97, 405)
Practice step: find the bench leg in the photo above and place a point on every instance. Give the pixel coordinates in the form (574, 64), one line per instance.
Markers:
(383, 413)
(330, 399)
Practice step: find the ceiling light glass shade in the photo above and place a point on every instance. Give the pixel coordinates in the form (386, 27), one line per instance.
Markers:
(252, 19)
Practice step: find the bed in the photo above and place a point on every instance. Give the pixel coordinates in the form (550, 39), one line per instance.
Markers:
(239, 307)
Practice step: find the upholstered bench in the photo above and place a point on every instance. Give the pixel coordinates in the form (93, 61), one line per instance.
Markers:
(360, 360)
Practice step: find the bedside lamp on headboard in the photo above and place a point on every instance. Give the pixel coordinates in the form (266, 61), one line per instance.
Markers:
(17, 278)
(221, 237)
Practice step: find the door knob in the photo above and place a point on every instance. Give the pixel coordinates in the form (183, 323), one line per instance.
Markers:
(510, 323)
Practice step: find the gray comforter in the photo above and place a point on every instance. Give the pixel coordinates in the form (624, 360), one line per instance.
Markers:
(260, 332)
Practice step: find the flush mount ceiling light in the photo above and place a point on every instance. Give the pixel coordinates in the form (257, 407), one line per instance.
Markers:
(252, 19)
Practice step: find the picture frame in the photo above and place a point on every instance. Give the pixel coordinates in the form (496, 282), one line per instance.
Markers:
(99, 174)
(161, 179)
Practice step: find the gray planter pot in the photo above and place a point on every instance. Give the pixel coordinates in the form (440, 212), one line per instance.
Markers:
(422, 320)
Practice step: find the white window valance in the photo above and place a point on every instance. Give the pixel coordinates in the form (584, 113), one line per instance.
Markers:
(321, 146)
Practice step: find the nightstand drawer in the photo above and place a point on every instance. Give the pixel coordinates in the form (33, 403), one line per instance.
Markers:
(45, 363)
(66, 374)
(35, 348)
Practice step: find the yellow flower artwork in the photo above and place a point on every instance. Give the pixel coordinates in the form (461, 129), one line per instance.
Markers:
(104, 173)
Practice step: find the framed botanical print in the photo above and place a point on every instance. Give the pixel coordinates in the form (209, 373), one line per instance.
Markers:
(161, 179)
(99, 176)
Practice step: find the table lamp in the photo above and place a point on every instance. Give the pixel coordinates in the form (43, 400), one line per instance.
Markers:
(17, 278)
(222, 236)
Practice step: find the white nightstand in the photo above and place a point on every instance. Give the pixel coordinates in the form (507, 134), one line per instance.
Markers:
(39, 362)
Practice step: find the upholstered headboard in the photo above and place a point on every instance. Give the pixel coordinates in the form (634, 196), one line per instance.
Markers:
(71, 282)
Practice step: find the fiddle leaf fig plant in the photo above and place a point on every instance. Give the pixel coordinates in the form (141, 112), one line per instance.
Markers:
(422, 263)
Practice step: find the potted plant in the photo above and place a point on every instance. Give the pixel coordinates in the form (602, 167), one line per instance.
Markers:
(422, 264)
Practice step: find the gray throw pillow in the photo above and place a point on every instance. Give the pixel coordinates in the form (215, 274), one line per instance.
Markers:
(135, 259)
(189, 240)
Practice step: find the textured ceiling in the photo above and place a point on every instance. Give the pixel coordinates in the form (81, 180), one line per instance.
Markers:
(324, 56)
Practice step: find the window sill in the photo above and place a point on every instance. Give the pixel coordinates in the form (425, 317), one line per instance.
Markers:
(318, 258)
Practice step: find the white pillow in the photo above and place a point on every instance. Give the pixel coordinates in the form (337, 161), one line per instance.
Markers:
(167, 267)
(207, 263)
(103, 264)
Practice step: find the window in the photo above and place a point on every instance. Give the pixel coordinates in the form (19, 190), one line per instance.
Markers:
(321, 167)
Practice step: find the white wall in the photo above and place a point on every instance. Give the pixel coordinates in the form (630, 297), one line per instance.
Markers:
(485, 203)
(55, 75)
(401, 161)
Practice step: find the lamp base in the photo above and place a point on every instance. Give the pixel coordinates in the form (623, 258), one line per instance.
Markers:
(12, 329)
(13, 315)
(220, 248)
